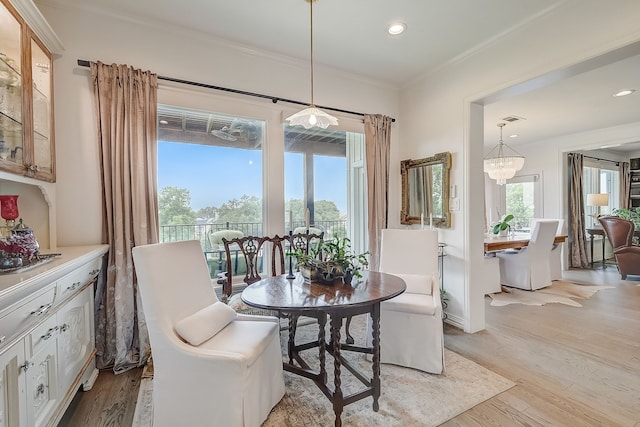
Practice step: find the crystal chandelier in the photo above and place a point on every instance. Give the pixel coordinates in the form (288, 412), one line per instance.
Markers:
(502, 162)
(312, 116)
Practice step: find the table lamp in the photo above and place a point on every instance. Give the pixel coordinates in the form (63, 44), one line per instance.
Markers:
(597, 200)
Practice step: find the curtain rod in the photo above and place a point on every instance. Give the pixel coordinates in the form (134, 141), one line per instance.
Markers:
(602, 160)
(274, 99)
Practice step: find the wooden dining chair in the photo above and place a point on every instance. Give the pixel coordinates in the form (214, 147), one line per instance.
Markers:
(249, 252)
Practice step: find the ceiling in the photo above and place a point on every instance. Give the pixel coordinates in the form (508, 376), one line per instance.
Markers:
(351, 36)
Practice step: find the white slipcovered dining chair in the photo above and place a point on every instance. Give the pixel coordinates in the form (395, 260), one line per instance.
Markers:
(212, 367)
(411, 332)
(555, 268)
(530, 267)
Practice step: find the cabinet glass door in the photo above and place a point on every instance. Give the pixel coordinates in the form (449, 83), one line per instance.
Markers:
(11, 91)
(41, 75)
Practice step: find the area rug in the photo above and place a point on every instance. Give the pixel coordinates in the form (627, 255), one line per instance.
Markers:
(558, 292)
(409, 397)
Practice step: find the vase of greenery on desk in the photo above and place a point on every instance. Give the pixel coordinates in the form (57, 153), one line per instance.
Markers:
(502, 228)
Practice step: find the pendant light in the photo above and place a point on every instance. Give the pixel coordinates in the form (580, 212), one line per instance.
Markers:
(504, 163)
(312, 116)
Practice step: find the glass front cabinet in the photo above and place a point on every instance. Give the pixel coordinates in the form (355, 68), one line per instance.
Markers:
(26, 92)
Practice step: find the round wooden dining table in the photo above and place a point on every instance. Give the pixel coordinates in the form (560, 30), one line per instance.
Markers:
(294, 298)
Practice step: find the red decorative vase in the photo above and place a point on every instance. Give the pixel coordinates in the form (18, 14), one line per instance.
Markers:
(9, 208)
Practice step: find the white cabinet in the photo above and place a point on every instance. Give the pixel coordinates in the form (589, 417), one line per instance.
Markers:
(48, 349)
(75, 339)
(43, 392)
(12, 387)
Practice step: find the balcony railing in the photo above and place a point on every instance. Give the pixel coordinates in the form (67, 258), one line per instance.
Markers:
(215, 257)
(179, 232)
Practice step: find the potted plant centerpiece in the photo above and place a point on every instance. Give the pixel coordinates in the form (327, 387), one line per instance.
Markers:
(330, 261)
(503, 227)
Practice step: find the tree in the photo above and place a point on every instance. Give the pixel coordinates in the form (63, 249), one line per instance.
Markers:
(174, 206)
(519, 204)
(247, 209)
(324, 210)
(209, 212)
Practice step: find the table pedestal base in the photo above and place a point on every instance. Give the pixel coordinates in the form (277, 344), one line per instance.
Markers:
(335, 348)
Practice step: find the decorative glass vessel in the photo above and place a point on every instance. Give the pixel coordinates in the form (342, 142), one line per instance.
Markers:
(9, 209)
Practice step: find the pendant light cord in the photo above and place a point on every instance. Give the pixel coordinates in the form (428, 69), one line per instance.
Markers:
(311, 43)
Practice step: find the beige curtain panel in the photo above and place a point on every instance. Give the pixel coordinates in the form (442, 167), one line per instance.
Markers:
(377, 131)
(577, 238)
(126, 113)
(625, 184)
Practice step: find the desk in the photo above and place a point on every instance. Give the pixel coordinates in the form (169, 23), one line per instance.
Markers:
(338, 301)
(513, 242)
(599, 231)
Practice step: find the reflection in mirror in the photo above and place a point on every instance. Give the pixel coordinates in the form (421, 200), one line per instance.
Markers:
(425, 190)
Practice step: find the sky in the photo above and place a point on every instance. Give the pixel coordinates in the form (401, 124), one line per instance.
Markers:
(213, 175)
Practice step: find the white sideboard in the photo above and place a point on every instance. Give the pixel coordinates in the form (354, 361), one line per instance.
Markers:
(47, 339)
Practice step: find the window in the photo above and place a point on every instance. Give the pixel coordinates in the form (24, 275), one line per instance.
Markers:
(319, 188)
(523, 200)
(209, 175)
(598, 178)
(218, 171)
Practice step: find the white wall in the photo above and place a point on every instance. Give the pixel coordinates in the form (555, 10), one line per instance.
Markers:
(171, 53)
(546, 158)
(438, 115)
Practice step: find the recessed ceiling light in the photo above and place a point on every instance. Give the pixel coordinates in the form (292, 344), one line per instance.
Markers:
(396, 28)
(164, 122)
(624, 92)
(515, 135)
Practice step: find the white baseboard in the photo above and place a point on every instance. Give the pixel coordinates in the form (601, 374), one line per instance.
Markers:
(456, 321)
(90, 379)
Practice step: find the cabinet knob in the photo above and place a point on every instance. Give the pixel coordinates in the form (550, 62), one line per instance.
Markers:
(49, 333)
(40, 389)
(42, 310)
(64, 327)
(25, 366)
(73, 287)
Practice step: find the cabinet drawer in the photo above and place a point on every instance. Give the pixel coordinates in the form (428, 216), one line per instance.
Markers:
(73, 281)
(25, 314)
(41, 335)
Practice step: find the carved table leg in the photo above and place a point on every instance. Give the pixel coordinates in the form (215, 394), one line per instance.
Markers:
(349, 338)
(322, 321)
(375, 382)
(338, 404)
(293, 324)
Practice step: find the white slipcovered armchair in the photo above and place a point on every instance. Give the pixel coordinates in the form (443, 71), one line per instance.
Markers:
(530, 267)
(411, 332)
(555, 268)
(212, 367)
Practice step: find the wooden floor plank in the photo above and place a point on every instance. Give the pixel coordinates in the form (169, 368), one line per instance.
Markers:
(572, 366)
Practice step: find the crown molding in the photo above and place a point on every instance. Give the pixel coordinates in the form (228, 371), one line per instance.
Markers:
(31, 14)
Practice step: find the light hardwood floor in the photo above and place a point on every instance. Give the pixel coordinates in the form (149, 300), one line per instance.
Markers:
(572, 366)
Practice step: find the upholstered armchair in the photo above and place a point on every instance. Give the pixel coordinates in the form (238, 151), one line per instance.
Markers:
(530, 267)
(411, 332)
(555, 267)
(620, 232)
(212, 367)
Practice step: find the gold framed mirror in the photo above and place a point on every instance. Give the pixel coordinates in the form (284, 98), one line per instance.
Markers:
(425, 190)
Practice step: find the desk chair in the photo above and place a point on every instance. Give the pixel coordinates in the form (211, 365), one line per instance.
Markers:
(555, 267)
(620, 234)
(530, 267)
